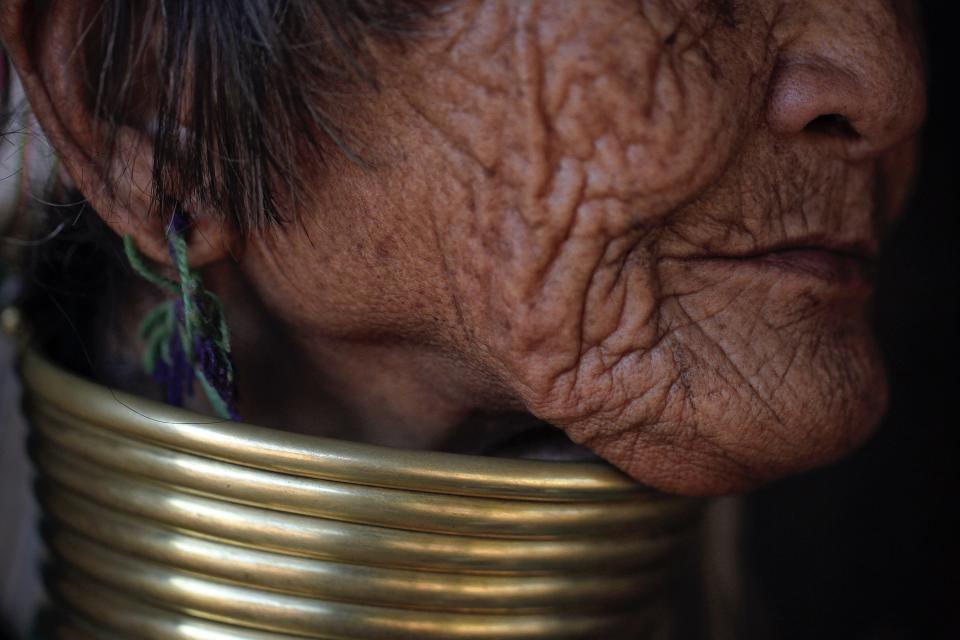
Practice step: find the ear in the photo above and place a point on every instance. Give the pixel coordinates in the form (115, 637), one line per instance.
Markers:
(46, 42)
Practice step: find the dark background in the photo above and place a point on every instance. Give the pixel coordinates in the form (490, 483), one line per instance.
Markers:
(867, 549)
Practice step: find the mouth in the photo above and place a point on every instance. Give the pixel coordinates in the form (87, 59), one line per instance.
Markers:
(847, 264)
(830, 266)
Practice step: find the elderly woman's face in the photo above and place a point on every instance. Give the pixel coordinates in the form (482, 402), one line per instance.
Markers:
(649, 223)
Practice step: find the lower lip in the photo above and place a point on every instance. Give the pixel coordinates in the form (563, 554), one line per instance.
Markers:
(830, 267)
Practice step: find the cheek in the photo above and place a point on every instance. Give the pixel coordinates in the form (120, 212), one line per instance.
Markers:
(568, 134)
(767, 379)
(593, 100)
(569, 147)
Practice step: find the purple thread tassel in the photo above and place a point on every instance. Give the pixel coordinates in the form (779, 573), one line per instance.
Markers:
(177, 376)
(216, 371)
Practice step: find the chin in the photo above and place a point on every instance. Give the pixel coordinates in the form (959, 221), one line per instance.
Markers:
(811, 401)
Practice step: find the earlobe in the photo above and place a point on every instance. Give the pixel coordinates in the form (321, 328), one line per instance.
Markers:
(209, 239)
(111, 163)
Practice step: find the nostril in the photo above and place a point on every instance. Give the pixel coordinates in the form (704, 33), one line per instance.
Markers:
(832, 124)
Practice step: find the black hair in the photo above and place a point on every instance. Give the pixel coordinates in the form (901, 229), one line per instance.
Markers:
(234, 93)
(238, 90)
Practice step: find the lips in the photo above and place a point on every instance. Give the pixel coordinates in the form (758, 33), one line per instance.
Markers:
(835, 263)
(831, 266)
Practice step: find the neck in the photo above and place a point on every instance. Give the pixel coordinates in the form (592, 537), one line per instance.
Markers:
(385, 392)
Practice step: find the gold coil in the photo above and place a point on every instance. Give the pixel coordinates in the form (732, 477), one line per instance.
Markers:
(339, 581)
(354, 503)
(100, 613)
(313, 457)
(165, 524)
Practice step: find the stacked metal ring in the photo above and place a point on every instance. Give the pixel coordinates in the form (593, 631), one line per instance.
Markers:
(166, 524)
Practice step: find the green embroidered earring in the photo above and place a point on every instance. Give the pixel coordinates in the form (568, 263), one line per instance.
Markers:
(186, 337)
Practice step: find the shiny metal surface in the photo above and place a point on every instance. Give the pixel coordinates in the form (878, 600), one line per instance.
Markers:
(315, 457)
(349, 542)
(341, 581)
(351, 502)
(168, 524)
(118, 617)
(267, 610)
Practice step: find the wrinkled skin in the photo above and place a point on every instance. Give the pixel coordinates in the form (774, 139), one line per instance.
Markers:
(564, 197)
(626, 218)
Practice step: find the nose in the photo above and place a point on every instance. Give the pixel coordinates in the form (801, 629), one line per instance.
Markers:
(850, 73)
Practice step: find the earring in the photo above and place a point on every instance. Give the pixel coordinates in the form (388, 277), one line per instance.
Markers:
(186, 337)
